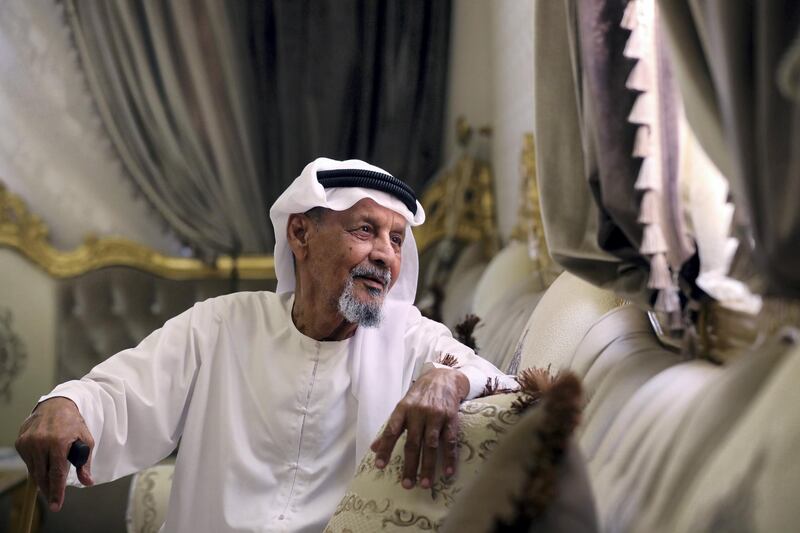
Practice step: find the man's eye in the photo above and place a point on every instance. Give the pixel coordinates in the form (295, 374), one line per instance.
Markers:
(365, 228)
(397, 240)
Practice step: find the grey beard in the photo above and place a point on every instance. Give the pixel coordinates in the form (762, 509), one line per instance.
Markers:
(367, 314)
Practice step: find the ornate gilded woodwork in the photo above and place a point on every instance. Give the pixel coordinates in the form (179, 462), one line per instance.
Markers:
(27, 233)
(460, 205)
(530, 227)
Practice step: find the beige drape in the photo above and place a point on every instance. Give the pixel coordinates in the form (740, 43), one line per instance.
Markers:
(738, 67)
(586, 237)
(175, 93)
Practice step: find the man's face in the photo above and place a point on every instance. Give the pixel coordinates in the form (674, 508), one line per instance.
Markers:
(354, 255)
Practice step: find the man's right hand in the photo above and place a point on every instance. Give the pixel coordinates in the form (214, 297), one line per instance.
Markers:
(44, 442)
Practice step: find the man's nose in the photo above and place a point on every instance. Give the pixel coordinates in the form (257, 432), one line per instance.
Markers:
(382, 251)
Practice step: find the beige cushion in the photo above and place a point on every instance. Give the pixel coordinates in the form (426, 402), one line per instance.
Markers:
(460, 287)
(498, 332)
(562, 317)
(508, 270)
(747, 477)
(375, 500)
(149, 498)
(685, 445)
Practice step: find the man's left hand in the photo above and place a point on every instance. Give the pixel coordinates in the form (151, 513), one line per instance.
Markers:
(429, 412)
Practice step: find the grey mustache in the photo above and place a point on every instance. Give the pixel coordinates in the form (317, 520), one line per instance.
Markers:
(384, 275)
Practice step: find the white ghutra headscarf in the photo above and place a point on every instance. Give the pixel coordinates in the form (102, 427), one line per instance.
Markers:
(376, 354)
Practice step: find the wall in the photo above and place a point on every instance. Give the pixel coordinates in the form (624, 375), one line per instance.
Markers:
(27, 313)
(512, 100)
(52, 149)
(491, 84)
(469, 78)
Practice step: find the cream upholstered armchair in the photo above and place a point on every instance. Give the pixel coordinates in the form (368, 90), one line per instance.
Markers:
(62, 312)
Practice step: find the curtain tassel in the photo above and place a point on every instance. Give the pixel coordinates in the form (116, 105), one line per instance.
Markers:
(660, 276)
(648, 179)
(648, 209)
(668, 301)
(643, 110)
(641, 145)
(630, 19)
(640, 78)
(653, 241)
(635, 45)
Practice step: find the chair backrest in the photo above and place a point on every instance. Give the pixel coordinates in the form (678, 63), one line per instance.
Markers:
(506, 271)
(562, 317)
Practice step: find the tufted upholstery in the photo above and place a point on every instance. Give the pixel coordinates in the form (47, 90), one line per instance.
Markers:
(507, 270)
(686, 445)
(460, 286)
(108, 310)
(564, 314)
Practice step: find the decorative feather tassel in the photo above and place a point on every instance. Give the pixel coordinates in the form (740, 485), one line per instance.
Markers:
(635, 45)
(630, 17)
(676, 317)
(640, 78)
(660, 276)
(668, 301)
(653, 241)
(648, 179)
(641, 145)
(643, 110)
(648, 209)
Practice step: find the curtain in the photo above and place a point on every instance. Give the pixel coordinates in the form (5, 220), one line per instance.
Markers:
(607, 138)
(175, 93)
(570, 216)
(214, 107)
(352, 78)
(738, 67)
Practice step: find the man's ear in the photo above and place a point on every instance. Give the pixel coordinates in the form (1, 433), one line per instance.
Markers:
(297, 232)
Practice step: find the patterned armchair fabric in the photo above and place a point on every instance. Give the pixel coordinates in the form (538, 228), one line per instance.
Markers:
(148, 500)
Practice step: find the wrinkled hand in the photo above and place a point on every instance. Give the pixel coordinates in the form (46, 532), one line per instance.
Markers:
(429, 412)
(44, 441)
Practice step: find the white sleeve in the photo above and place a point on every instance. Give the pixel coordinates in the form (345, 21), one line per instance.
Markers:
(134, 403)
(431, 341)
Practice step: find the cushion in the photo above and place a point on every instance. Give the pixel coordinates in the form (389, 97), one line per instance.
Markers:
(460, 286)
(376, 501)
(687, 445)
(505, 272)
(149, 498)
(536, 479)
(498, 332)
(562, 317)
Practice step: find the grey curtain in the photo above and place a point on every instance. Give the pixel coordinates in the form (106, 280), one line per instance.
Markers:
(215, 106)
(352, 78)
(585, 146)
(580, 229)
(571, 218)
(738, 66)
(175, 91)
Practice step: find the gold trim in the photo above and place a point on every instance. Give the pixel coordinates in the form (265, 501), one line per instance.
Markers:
(460, 205)
(530, 226)
(28, 234)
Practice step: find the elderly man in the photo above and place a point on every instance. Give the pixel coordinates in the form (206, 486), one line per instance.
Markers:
(275, 397)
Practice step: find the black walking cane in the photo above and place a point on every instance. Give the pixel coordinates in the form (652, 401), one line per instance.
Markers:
(78, 455)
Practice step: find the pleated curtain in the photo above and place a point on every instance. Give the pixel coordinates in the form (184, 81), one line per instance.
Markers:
(738, 68)
(174, 89)
(215, 106)
(609, 217)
